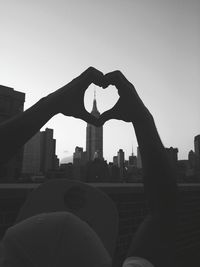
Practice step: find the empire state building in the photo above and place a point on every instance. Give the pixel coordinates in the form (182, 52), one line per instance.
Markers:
(94, 136)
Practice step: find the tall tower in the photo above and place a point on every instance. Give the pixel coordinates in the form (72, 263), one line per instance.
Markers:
(94, 136)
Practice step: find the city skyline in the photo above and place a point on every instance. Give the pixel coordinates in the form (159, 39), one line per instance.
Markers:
(154, 43)
(94, 135)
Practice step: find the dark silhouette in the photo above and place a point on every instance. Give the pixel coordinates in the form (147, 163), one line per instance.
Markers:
(97, 171)
(154, 241)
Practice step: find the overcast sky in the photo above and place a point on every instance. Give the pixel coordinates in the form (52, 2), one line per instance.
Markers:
(46, 43)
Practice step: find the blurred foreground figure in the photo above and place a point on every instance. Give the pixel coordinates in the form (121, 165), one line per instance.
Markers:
(53, 239)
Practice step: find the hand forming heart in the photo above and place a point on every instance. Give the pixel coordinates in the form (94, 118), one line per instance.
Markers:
(69, 100)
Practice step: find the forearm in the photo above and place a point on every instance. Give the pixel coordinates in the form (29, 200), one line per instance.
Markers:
(155, 237)
(159, 178)
(15, 132)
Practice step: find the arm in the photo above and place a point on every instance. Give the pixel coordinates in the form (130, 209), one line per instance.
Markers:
(15, 132)
(154, 239)
(68, 100)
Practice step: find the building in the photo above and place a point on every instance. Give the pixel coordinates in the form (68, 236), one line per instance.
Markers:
(172, 154)
(120, 158)
(94, 136)
(79, 156)
(132, 160)
(39, 154)
(182, 167)
(115, 161)
(197, 145)
(11, 104)
(97, 171)
(79, 162)
(64, 171)
(114, 172)
(192, 159)
(139, 160)
(197, 152)
(48, 149)
(32, 156)
(121, 162)
(131, 169)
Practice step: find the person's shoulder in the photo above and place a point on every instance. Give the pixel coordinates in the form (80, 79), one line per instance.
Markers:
(136, 262)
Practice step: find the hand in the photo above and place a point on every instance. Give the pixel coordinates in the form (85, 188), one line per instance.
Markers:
(69, 100)
(129, 107)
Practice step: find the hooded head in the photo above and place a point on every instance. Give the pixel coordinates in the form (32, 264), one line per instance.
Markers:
(57, 239)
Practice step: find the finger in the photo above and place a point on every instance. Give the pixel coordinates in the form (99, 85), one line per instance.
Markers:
(108, 115)
(91, 75)
(115, 78)
(87, 117)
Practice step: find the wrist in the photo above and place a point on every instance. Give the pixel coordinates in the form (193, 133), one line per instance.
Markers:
(48, 106)
(145, 118)
(51, 104)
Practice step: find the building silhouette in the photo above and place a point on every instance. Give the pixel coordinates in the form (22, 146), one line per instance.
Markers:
(139, 160)
(197, 145)
(115, 161)
(79, 162)
(192, 159)
(172, 154)
(120, 158)
(11, 104)
(132, 160)
(97, 171)
(48, 150)
(32, 156)
(79, 156)
(121, 162)
(39, 154)
(197, 152)
(94, 136)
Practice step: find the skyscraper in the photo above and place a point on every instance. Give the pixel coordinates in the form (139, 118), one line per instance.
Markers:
(94, 136)
(32, 155)
(197, 145)
(79, 156)
(132, 160)
(172, 154)
(39, 153)
(11, 104)
(197, 152)
(120, 158)
(115, 160)
(139, 160)
(79, 162)
(48, 148)
(121, 162)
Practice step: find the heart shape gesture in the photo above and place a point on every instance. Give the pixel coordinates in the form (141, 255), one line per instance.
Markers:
(69, 100)
(129, 106)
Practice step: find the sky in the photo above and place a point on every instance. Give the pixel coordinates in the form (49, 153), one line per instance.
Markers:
(47, 43)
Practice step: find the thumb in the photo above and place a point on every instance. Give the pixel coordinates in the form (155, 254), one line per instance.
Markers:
(113, 113)
(87, 117)
(107, 115)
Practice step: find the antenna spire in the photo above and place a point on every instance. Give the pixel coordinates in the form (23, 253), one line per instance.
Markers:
(94, 109)
(94, 93)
